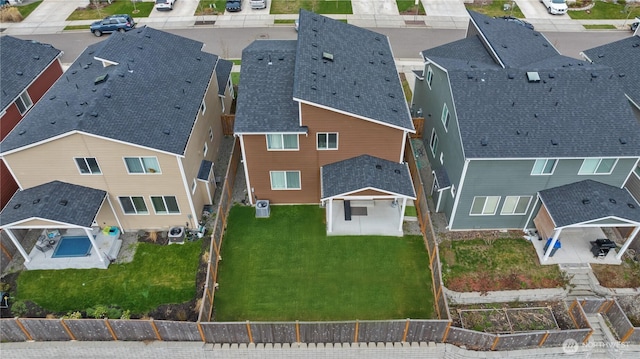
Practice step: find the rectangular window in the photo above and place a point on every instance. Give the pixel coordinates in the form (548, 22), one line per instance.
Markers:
(484, 205)
(597, 166)
(24, 102)
(327, 141)
(133, 205)
(515, 205)
(543, 167)
(203, 107)
(282, 142)
(142, 164)
(205, 149)
(429, 76)
(433, 142)
(210, 134)
(281, 180)
(88, 165)
(165, 204)
(446, 116)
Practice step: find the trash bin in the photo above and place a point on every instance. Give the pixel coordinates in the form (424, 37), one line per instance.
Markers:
(555, 246)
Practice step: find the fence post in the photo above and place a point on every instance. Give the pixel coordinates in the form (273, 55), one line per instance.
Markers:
(446, 332)
(6, 251)
(67, 329)
(406, 330)
(113, 334)
(495, 342)
(24, 330)
(627, 335)
(297, 332)
(201, 333)
(355, 336)
(544, 339)
(155, 329)
(249, 332)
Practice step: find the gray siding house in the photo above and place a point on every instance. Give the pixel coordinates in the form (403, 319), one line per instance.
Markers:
(508, 116)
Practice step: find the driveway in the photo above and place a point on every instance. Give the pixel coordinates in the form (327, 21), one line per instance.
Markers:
(448, 8)
(534, 9)
(374, 7)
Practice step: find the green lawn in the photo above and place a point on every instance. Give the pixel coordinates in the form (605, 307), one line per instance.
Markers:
(157, 275)
(496, 8)
(498, 264)
(319, 7)
(409, 7)
(285, 268)
(210, 7)
(27, 9)
(139, 9)
(606, 10)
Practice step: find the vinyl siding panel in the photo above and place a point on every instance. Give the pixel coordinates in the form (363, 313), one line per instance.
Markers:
(633, 185)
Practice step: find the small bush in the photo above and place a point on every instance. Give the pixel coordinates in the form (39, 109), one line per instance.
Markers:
(73, 315)
(98, 312)
(19, 309)
(10, 14)
(126, 315)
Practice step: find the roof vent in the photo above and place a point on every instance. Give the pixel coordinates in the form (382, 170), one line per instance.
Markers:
(621, 75)
(586, 201)
(166, 131)
(22, 132)
(631, 205)
(594, 75)
(327, 56)
(532, 76)
(36, 201)
(63, 202)
(469, 76)
(392, 95)
(484, 142)
(17, 206)
(52, 97)
(554, 142)
(314, 44)
(600, 55)
(101, 79)
(36, 57)
(79, 113)
(378, 167)
(623, 141)
(612, 200)
(552, 75)
(53, 122)
(396, 171)
(177, 107)
(19, 73)
(511, 76)
(94, 114)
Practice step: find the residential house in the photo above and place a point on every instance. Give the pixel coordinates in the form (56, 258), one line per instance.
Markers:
(137, 116)
(322, 112)
(508, 116)
(27, 70)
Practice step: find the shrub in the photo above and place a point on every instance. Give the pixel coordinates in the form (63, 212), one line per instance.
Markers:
(10, 14)
(19, 309)
(126, 315)
(73, 315)
(98, 312)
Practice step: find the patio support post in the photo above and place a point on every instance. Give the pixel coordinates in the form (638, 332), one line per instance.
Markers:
(330, 215)
(17, 244)
(93, 243)
(556, 234)
(628, 242)
(404, 206)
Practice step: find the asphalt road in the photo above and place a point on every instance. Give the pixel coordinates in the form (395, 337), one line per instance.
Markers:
(405, 42)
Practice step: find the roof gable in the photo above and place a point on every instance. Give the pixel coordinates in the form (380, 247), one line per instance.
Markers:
(150, 97)
(21, 62)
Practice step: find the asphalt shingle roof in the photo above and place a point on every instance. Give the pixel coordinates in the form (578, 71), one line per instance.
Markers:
(265, 102)
(150, 96)
(576, 109)
(54, 201)
(624, 57)
(366, 172)
(350, 69)
(223, 72)
(204, 170)
(21, 62)
(587, 201)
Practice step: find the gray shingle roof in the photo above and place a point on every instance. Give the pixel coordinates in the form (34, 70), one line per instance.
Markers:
(223, 72)
(265, 102)
(54, 201)
(151, 97)
(442, 176)
(21, 62)
(462, 53)
(366, 172)
(624, 57)
(360, 78)
(587, 201)
(205, 168)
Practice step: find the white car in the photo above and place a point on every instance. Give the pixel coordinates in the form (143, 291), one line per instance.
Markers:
(164, 4)
(555, 7)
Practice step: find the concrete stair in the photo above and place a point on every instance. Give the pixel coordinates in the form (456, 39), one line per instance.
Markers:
(580, 285)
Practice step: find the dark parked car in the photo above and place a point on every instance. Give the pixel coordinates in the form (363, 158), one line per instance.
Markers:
(121, 22)
(234, 5)
(517, 21)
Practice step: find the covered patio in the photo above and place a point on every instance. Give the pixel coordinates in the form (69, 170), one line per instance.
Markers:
(571, 218)
(366, 195)
(63, 215)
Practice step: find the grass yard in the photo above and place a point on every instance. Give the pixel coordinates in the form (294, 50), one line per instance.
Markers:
(500, 264)
(285, 268)
(625, 275)
(210, 7)
(319, 7)
(607, 10)
(408, 7)
(157, 275)
(140, 9)
(496, 8)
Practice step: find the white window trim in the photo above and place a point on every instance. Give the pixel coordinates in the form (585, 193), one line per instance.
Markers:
(124, 159)
(433, 148)
(484, 206)
(285, 178)
(210, 134)
(429, 76)
(266, 138)
(205, 149)
(453, 191)
(443, 117)
(222, 102)
(636, 171)
(545, 165)
(194, 186)
(75, 160)
(203, 107)
(615, 162)
(327, 148)
(503, 213)
(134, 207)
(165, 206)
(20, 98)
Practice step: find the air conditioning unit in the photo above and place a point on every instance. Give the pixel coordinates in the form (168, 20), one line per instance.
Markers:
(262, 208)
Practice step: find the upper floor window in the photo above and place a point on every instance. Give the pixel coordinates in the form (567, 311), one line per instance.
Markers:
(142, 164)
(205, 149)
(133, 205)
(194, 185)
(285, 180)
(327, 141)
(210, 134)
(433, 142)
(515, 205)
(446, 116)
(282, 142)
(203, 107)
(637, 170)
(597, 166)
(165, 204)
(543, 167)
(24, 102)
(88, 165)
(484, 205)
(429, 76)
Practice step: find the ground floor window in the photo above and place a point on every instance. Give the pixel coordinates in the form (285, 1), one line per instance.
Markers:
(165, 204)
(133, 205)
(484, 205)
(285, 180)
(515, 205)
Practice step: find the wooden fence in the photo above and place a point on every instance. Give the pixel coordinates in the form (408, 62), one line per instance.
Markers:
(611, 310)
(7, 249)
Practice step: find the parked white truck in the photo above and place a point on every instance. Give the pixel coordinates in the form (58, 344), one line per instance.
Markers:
(555, 7)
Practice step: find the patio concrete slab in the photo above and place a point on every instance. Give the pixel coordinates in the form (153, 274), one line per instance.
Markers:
(381, 219)
(576, 248)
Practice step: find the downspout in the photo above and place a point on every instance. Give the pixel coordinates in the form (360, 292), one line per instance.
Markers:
(193, 218)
